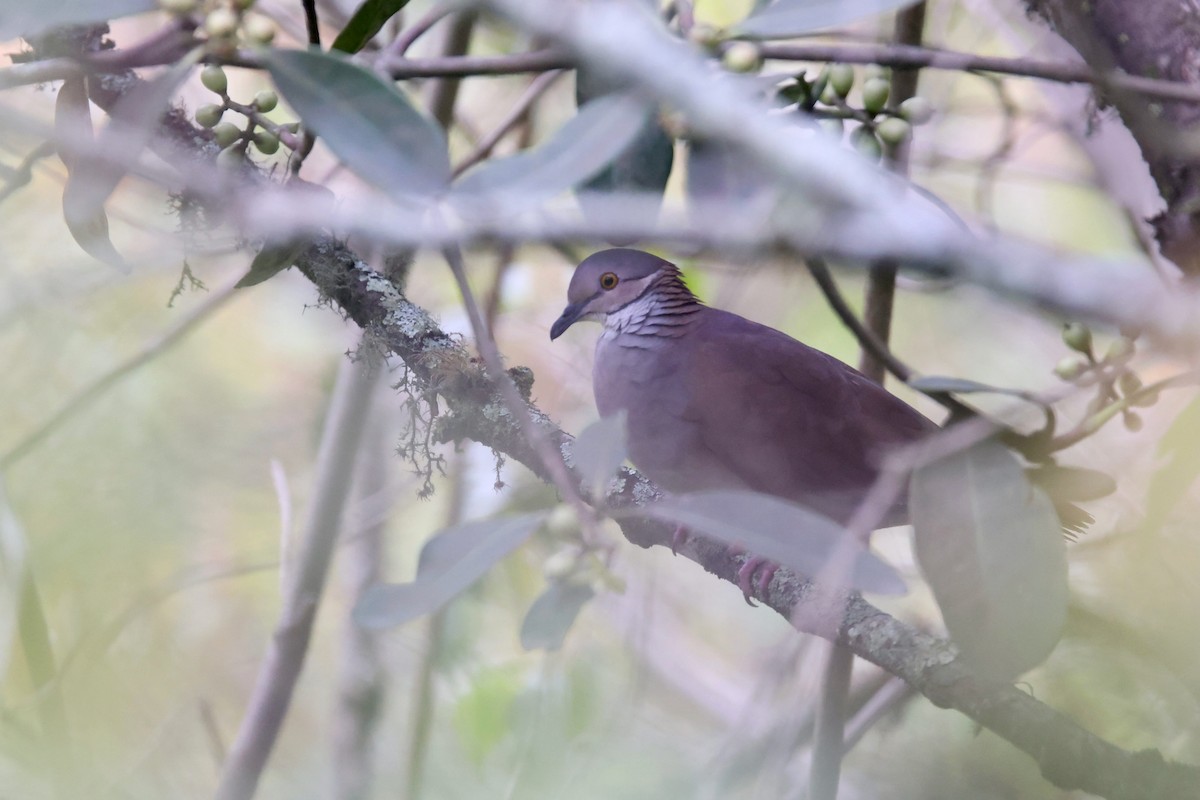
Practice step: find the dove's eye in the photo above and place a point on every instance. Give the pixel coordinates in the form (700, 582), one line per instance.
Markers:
(608, 281)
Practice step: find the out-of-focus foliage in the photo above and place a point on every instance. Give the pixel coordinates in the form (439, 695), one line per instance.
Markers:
(152, 520)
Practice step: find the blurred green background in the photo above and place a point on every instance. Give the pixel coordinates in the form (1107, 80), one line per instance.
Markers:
(152, 518)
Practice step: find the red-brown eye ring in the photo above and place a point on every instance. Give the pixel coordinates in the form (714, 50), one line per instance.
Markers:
(608, 281)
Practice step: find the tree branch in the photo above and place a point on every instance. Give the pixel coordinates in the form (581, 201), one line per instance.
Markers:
(281, 668)
(1069, 756)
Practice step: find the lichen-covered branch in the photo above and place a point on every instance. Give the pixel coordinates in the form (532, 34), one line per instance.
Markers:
(1068, 755)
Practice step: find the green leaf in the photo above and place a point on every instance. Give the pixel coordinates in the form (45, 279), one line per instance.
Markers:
(552, 614)
(365, 120)
(450, 563)
(599, 452)
(583, 146)
(989, 545)
(368, 19)
(785, 19)
(774, 529)
(28, 18)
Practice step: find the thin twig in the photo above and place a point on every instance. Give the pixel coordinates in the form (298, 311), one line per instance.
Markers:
(361, 684)
(909, 56)
(443, 93)
(22, 174)
(399, 46)
(311, 23)
(84, 396)
(552, 461)
(56, 69)
(515, 115)
(829, 734)
(889, 696)
(277, 676)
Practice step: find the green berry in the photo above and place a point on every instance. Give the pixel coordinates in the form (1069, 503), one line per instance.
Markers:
(266, 142)
(179, 7)
(874, 71)
(841, 78)
(1129, 383)
(561, 564)
(1146, 400)
(1119, 350)
(893, 131)
(833, 126)
(213, 78)
(864, 141)
(1070, 368)
(207, 116)
(226, 133)
(917, 110)
(875, 94)
(704, 35)
(266, 100)
(221, 23)
(231, 158)
(1077, 336)
(830, 97)
(742, 57)
(243, 4)
(1133, 422)
(562, 523)
(258, 29)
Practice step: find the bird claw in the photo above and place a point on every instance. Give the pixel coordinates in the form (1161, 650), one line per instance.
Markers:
(678, 538)
(756, 573)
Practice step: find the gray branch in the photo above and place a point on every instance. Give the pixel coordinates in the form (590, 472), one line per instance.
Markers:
(1069, 756)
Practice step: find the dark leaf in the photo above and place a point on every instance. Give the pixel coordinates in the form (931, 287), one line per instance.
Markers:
(599, 451)
(1072, 483)
(785, 19)
(941, 383)
(368, 20)
(29, 18)
(578, 150)
(552, 614)
(276, 256)
(718, 174)
(644, 167)
(271, 260)
(87, 222)
(774, 529)
(93, 173)
(934, 384)
(365, 120)
(451, 562)
(989, 546)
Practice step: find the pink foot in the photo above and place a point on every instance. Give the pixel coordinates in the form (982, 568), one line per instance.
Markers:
(678, 538)
(756, 572)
